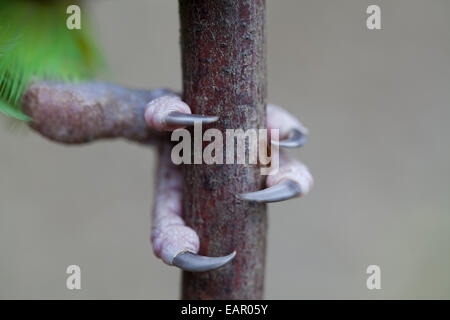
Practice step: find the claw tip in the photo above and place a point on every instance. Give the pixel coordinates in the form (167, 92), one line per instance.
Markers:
(189, 261)
(296, 139)
(285, 190)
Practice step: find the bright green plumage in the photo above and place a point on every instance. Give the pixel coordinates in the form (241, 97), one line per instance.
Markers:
(36, 44)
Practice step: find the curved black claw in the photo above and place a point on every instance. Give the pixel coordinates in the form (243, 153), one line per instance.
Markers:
(189, 261)
(184, 119)
(295, 139)
(285, 190)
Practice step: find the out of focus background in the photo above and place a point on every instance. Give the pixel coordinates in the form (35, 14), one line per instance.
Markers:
(377, 104)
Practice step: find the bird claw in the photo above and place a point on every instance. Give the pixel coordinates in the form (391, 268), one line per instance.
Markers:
(192, 262)
(285, 190)
(176, 118)
(295, 139)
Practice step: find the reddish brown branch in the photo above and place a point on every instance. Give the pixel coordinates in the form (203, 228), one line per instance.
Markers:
(223, 58)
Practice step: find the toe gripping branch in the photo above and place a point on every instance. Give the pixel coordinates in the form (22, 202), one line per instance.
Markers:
(189, 261)
(61, 118)
(284, 190)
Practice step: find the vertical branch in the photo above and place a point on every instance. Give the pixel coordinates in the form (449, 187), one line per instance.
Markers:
(223, 61)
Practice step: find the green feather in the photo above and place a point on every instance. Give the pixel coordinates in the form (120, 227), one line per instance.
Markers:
(35, 44)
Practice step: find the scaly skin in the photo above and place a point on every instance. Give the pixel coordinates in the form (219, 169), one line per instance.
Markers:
(81, 113)
(170, 236)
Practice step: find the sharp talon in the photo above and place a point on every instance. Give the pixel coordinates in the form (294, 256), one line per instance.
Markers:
(183, 119)
(285, 190)
(295, 139)
(189, 261)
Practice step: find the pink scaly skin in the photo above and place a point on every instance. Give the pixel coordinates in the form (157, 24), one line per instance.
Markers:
(158, 109)
(278, 118)
(292, 169)
(289, 168)
(170, 235)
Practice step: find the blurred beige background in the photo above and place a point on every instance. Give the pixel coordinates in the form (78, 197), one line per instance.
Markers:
(376, 104)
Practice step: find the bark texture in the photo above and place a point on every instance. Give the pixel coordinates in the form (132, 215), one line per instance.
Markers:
(224, 74)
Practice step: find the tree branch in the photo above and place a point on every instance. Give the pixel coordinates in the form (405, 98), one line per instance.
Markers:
(223, 55)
